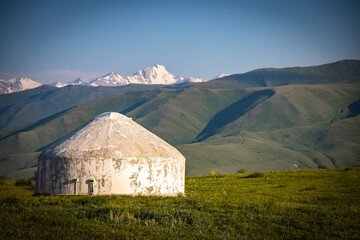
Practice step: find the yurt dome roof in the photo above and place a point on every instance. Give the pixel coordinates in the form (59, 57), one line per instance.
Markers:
(111, 135)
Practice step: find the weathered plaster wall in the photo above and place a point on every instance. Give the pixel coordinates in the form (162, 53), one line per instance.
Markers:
(135, 176)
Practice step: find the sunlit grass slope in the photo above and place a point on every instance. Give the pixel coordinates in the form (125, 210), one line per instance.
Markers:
(307, 204)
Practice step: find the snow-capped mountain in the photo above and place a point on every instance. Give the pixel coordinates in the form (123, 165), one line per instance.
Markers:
(17, 85)
(82, 81)
(222, 75)
(151, 75)
(78, 81)
(58, 84)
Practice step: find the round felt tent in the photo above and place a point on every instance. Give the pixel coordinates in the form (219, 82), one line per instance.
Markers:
(111, 154)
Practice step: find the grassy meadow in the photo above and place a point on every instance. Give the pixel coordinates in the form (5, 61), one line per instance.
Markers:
(303, 204)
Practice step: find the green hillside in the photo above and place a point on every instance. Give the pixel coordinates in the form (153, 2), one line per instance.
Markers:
(306, 204)
(287, 127)
(298, 127)
(20, 108)
(346, 71)
(155, 109)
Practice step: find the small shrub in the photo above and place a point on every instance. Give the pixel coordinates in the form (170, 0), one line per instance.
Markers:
(212, 173)
(347, 169)
(240, 170)
(323, 167)
(255, 175)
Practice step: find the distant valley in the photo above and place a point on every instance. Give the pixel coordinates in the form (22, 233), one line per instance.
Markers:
(267, 119)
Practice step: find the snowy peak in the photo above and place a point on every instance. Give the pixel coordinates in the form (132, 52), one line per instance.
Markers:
(17, 84)
(110, 79)
(156, 74)
(222, 75)
(26, 83)
(82, 80)
(78, 81)
(112, 75)
(190, 79)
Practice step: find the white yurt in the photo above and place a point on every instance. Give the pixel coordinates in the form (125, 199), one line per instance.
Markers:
(111, 154)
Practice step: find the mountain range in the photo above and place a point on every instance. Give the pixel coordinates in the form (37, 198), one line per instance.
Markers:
(266, 119)
(157, 74)
(151, 75)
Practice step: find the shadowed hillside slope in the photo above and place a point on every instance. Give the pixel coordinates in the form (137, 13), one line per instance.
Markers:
(233, 112)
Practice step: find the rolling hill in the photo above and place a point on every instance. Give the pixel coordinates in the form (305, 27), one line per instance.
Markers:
(32, 105)
(290, 126)
(346, 71)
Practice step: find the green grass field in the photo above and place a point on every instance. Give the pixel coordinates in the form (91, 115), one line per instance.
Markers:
(304, 204)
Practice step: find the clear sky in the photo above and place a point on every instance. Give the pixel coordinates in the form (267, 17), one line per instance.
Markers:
(62, 40)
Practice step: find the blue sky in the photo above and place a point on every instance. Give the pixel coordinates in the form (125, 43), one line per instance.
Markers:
(61, 40)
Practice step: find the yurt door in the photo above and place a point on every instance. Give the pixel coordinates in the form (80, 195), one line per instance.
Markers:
(91, 186)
